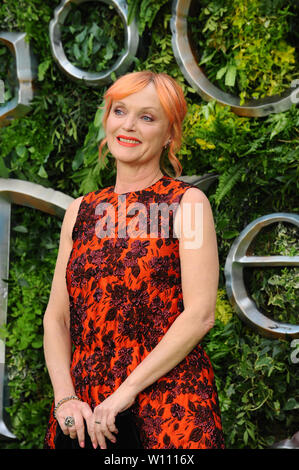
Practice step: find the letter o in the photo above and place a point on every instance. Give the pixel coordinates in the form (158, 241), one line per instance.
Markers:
(93, 78)
(198, 80)
(26, 72)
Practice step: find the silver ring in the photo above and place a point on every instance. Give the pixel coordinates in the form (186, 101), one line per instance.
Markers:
(69, 421)
(98, 422)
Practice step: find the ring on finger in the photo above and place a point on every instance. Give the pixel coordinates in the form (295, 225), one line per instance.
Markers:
(69, 421)
(98, 422)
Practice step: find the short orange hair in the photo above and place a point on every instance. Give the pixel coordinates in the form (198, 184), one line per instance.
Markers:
(172, 100)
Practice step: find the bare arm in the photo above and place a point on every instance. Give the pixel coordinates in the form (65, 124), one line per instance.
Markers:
(57, 341)
(57, 344)
(199, 274)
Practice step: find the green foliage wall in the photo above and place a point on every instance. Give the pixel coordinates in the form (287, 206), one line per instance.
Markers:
(247, 48)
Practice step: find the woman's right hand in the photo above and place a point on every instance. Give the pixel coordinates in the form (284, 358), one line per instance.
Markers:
(80, 411)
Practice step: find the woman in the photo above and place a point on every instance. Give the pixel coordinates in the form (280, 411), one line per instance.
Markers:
(138, 296)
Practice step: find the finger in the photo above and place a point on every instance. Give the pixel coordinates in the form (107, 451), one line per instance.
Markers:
(73, 432)
(106, 432)
(92, 434)
(70, 429)
(61, 418)
(64, 429)
(80, 431)
(109, 435)
(101, 431)
(88, 416)
(101, 439)
(111, 424)
(61, 422)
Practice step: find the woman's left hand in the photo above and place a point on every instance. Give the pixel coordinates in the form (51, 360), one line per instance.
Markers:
(101, 424)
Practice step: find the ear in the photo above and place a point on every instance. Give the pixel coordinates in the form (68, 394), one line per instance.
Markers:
(167, 143)
(168, 136)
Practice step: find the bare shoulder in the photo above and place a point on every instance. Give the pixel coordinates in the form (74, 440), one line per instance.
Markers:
(70, 216)
(195, 195)
(74, 206)
(194, 199)
(194, 217)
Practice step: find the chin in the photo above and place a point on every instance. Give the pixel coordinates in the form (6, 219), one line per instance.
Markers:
(122, 157)
(126, 153)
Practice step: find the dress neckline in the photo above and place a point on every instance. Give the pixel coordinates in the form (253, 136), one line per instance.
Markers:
(139, 190)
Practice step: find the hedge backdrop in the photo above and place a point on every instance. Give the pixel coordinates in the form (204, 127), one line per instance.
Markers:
(247, 48)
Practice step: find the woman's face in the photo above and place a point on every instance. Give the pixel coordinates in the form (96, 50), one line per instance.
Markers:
(137, 127)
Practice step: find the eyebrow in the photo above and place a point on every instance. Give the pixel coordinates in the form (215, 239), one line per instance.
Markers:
(142, 109)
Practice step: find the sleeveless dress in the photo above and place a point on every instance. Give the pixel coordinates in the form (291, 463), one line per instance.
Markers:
(124, 285)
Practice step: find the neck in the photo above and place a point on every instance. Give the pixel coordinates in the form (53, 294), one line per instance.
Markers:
(127, 183)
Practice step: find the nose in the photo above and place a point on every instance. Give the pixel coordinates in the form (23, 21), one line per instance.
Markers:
(129, 123)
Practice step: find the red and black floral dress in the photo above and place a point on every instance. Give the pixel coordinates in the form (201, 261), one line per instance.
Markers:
(125, 292)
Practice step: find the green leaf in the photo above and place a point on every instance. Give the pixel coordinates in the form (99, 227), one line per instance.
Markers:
(206, 59)
(109, 51)
(227, 235)
(42, 69)
(132, 10)
(99, 116)
(4, 171)
(21, 150)
(251, 433)
(281, 123)
(78, 160)
(81, 36)
(291, 404)
(221, 72)
(227, 181)
(42, 172)
(37, 343)
(20, 229)
(76, 51)
(263, 362)
(230, 76)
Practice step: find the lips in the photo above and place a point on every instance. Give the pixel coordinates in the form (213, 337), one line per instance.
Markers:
(128, 141)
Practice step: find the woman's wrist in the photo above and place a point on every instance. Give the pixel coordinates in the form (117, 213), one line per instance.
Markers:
(130, 386)
(63, 387)
(63, 392)
(64, 400)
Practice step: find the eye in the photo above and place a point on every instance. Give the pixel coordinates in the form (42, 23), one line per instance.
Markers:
(147, 118)
(118, 111)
